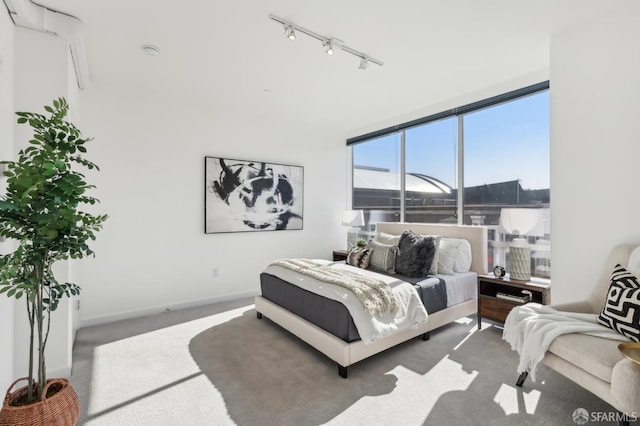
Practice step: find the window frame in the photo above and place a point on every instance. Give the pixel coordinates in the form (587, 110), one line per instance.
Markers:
(459, 113)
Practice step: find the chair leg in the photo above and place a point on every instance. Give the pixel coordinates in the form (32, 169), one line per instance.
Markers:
(521, 379)
(623, 419)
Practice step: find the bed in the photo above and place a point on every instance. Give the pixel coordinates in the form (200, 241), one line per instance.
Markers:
(327, 325)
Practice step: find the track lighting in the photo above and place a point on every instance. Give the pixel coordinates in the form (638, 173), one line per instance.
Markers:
(329, 44)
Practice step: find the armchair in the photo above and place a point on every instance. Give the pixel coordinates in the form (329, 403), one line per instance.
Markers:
(595, 363)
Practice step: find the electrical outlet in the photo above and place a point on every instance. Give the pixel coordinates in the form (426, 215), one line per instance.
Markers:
(78, 305)
(215, 272)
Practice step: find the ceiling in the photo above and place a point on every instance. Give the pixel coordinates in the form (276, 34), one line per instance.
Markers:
(229, 54)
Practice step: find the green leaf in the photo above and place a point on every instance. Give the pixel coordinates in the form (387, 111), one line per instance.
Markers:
(48, 109)
(60, 165)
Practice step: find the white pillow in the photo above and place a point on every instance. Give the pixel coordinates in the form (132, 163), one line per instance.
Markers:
(463, 257)
(634, 262)
(388, 239)
(447, 255)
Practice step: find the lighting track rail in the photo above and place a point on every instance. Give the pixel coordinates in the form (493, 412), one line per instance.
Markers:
(329, 44)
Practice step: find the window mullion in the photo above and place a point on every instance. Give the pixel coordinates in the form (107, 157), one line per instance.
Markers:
(460, 170)
(403, 173)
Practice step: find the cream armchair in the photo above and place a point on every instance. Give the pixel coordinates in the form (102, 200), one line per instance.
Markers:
(595, 363)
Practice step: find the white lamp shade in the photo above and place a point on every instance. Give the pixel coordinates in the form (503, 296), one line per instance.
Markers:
(521, 222)
(353, 218)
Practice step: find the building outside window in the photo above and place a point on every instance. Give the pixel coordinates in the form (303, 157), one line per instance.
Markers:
(463, 166)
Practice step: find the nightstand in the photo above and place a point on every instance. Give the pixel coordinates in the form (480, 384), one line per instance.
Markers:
(497, 296)
(340, 255)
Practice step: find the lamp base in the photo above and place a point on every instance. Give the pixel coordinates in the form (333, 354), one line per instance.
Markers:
(519, 260)
(352, 238)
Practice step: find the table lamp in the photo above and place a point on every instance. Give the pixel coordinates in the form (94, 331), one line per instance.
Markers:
(521, 222)
(352, 218)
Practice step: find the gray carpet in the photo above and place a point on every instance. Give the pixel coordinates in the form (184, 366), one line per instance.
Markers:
(220, 365)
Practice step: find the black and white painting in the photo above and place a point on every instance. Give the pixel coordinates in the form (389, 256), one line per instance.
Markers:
(252, 196)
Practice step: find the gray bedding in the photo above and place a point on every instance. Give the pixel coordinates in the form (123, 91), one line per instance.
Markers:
(333, 316)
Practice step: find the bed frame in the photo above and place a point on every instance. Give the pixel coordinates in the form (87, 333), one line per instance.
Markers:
(345, 354)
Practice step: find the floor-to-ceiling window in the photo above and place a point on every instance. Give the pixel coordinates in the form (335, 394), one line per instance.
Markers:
(377, 180)
(470, 165)
(506, 166)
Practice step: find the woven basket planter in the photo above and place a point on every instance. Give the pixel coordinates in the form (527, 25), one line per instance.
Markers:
(62, 408)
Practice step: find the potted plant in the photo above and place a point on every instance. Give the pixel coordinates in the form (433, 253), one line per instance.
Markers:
(41, 212)
(361, 242)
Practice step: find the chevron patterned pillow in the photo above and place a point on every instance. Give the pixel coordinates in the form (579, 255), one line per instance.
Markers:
(359, 257)
(621, 311)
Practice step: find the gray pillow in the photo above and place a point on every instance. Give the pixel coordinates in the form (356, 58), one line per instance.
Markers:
(383, 257)
(415, 254)
(433, 270)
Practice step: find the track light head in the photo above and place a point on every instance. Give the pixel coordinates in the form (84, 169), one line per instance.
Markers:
(364, 63)
(290, 31)
(328, 47)
(331, 45)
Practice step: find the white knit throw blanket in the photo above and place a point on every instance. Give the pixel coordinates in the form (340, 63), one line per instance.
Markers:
(531, 328)
(375, 295)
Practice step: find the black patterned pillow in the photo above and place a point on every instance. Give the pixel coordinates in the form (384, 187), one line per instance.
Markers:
(359, 257)
(415, 254)
(621, 311)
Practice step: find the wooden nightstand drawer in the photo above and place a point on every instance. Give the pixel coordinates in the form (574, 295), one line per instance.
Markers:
(495, 309)
(339, 255)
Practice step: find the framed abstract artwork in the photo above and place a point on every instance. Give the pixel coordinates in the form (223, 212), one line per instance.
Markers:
(246, 196)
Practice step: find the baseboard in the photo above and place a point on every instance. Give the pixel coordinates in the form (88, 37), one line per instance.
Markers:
(104, 319)
(62, 373)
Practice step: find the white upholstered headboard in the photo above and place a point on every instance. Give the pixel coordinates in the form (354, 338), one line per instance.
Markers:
(476, 235)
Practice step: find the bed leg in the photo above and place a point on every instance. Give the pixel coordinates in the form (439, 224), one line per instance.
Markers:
(342, 371)
(521, 379)
(426, 336)
(259, 315)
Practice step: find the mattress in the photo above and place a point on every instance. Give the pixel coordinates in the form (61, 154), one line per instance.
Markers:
(437, 293)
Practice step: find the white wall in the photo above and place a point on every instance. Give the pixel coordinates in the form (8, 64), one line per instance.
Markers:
(595, 147)
(152, 253)
(7, 118)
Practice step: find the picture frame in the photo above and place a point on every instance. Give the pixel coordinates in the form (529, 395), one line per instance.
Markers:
(251, 196)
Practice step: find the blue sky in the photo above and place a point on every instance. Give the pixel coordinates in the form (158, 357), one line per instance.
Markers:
(502, 143)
